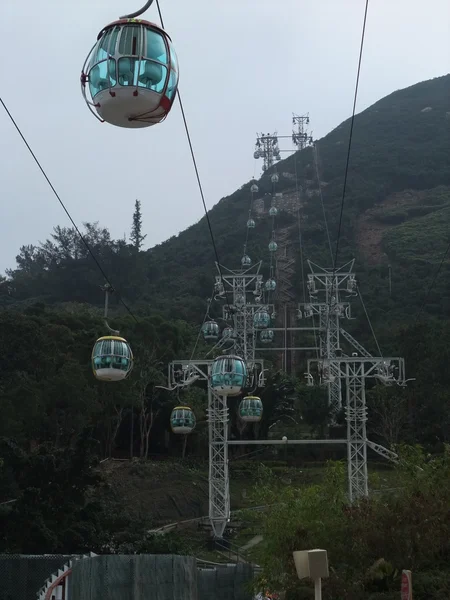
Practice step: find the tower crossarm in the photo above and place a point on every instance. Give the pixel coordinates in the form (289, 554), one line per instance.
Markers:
(387, 370)
(382, 451)
(355, 343)
(185, 372)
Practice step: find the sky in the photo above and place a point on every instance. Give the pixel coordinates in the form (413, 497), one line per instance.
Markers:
(245, 67)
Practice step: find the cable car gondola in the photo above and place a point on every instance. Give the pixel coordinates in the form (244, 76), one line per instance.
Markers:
(112, 359)
(228, 333)
(210, 330)
(271, 285)
(266, 336)
(131, 74)
(261, 319)
(251, 409)
(228, 375)
(182, 420)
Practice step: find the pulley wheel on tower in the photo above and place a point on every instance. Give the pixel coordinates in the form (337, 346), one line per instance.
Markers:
(130, 76)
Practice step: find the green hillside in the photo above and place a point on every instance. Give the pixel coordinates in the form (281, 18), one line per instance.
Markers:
(399, 177)
(397, 148)
(58, 422)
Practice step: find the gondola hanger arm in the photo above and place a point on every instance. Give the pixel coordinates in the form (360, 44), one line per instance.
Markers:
(138, 12)
(108, 289)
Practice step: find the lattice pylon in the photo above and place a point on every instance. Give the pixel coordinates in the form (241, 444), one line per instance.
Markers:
(219, 483)
(356, 416)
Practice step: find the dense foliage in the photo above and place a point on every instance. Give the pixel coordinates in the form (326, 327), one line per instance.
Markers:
(368, 544)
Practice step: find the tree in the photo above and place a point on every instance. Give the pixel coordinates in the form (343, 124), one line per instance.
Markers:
(136, 236)
(388, 413)
(53, 511)
(368, 542)
(313, 404)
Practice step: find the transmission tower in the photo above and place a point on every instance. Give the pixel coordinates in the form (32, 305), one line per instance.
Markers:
(246, 288)
(267, 144)
(334, 365)
(300, 135)
(249, 315)
(267, 148)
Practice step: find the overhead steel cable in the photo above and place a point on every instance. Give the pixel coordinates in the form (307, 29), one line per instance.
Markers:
(369, 321)
(197, 174)
(316, 163)
(432, 284)
(347, 163)
(300, 240)
(350, 139)
(83, 239)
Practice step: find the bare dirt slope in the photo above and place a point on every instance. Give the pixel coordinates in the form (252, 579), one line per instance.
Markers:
(369, 229)
(157, 490)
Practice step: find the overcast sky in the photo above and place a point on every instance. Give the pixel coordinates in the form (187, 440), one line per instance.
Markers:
(245, 65)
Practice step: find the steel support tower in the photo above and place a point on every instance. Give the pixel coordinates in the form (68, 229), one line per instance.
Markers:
(267, 148)
(334, 366)
(331, 285)
(186, 372)
(267, 144)
(243, 289)
(245, 302)
(300, 135)
(245, 286)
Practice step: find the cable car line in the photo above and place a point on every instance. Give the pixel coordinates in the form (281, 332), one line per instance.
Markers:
(369, 321)
(208, 306)
(299, 224)
(347, 163)
(316, 163)
(444, 256)
(300, 240)
(197, 174)
(352, 122)
(96, 260)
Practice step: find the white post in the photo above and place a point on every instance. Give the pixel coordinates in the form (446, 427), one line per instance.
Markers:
(318, 589)
(314, 565)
